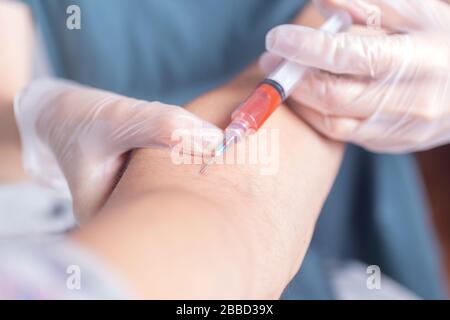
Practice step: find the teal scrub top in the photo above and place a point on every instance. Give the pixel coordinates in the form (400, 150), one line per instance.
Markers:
(175, 50)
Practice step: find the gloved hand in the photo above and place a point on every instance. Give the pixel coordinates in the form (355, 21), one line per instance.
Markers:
(387, 92)
(78, 137)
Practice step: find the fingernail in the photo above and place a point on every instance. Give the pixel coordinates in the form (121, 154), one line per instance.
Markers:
(209, 125)
(268, 62)
(283, 35)
(207, 138)
(271, 38)
(325, 8)
(287, 39)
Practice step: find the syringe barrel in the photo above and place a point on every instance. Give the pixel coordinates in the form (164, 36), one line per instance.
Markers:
(255, 110)
(288, 74)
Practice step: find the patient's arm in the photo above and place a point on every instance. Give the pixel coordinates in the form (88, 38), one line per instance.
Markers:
(234, 233)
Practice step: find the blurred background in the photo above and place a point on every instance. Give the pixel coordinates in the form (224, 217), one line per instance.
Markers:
(384, 210)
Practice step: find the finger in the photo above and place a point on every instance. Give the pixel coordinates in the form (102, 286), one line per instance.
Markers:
(350, 130)
(342, 53)
(159, 125)
(336, 128)
(268, 62)
(398, 15)
(91, 183)
(361, 98)
(375, 135)
(333, 95)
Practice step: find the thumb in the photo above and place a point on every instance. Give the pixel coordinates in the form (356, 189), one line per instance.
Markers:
(341, 53)
(91, 182)
(126, 125)
(154, 124)
(396, 15)
(268, 62)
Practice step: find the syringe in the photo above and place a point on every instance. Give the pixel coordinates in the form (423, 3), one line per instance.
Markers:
(270, 93)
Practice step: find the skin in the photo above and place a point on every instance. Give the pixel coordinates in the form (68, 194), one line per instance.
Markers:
(15, 65)
(179, 235)
(434, 167)
(171, 233)
(262, 242)
(249, 252)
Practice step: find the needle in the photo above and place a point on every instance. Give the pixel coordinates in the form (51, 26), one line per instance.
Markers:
(203, 168)
(270, 93)
(219, 151)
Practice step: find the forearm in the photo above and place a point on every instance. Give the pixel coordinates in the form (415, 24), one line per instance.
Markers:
(257, 223)
(166, 252)
(233, 200)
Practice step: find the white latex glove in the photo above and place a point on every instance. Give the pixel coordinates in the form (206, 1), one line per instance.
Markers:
(387, 92)
(78, 137)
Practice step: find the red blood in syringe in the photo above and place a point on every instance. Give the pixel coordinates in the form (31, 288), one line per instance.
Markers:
(255, 110)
